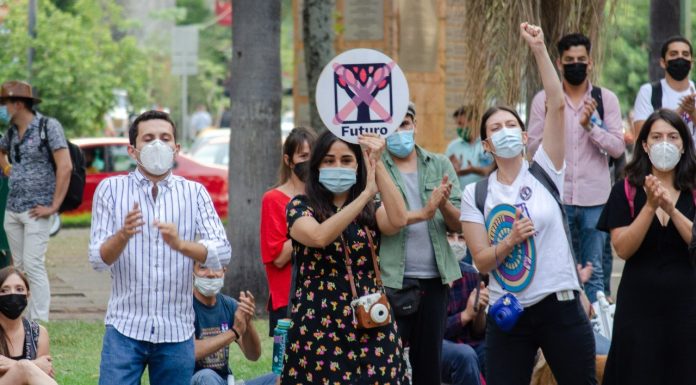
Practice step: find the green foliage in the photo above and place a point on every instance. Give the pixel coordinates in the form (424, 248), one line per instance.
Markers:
(196, 11)
(77, 62)
(627, 45)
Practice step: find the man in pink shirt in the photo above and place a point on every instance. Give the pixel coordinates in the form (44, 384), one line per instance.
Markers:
(593, 133)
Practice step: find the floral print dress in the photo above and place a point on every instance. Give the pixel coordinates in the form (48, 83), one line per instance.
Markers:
(323, 346)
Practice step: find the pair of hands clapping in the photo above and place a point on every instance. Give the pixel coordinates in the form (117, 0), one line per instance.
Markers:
(246, 310)
(372, 147)
(658, 195)
(134, 222)
(687, 104)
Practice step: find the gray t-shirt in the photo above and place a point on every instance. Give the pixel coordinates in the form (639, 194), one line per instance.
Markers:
(32, 180)
(420, 256)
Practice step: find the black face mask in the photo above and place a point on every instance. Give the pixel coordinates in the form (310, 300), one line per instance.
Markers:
(301, 170)
(575, 73)
(678, 69)
(12, 305)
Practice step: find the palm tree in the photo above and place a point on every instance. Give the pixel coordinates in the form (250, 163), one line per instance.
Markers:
(664, 23)
(500, 69)
(255, 97)
(318, 40)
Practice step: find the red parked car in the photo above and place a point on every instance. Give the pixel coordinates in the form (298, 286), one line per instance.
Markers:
(105, 157)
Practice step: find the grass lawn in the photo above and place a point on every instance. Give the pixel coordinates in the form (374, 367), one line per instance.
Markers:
(76, 351)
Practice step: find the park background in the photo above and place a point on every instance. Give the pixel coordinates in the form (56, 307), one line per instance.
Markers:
(258, 60)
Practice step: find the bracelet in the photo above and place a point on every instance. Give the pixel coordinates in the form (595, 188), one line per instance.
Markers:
(6, 170)
(236, 333)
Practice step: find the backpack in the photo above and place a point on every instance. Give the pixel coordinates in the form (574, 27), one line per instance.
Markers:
(630, 191)
(481, 192)
(656, 96)
(76, 186)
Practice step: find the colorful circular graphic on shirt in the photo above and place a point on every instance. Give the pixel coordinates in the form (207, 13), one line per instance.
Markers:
(515, 273)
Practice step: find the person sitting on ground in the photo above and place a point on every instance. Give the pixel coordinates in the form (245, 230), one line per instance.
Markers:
(464, 347)
(24, 357)
(220, 320)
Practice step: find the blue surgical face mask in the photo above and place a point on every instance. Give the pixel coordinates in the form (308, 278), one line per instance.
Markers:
(4, 115)
(337, 179)
(507, 142)
(401, 143)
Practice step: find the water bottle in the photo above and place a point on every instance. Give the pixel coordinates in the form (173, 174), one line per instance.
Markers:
(280, 335)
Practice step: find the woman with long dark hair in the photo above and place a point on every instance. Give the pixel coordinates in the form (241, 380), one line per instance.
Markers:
(24, 353)
(276, 247)
(336, 230)
(513, 223)
(649, 217)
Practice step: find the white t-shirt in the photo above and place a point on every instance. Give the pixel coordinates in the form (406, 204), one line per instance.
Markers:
(554, 266)
(670, 99)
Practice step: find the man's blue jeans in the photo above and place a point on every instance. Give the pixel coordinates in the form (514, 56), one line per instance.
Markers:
(210, 377)
(463, 364)
(588, 243)
(123, 361)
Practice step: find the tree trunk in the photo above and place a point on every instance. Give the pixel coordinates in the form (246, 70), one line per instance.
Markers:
(664, 23)
(255, 137)
(318, 33)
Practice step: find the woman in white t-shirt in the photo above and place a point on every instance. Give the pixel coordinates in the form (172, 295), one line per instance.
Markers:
(528, 254)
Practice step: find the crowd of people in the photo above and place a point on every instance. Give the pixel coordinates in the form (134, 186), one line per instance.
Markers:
(394, 264)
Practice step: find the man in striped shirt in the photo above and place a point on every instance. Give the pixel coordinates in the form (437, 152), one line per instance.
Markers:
(148, 228)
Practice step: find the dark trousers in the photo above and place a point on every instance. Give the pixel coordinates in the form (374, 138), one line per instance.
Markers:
(562, 331)
(423, 331)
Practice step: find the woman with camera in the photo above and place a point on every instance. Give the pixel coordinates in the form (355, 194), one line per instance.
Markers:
(649, 217)
(513, 223)
(342, 330)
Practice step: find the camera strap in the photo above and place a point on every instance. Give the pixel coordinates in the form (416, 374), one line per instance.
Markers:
(346, 259)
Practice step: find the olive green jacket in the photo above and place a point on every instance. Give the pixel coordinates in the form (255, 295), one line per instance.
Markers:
(431, 168)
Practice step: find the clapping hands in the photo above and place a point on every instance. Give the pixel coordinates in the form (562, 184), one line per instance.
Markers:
(372, 147)
(658, 195)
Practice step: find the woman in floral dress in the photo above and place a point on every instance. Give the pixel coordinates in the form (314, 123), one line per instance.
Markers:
(323, 345)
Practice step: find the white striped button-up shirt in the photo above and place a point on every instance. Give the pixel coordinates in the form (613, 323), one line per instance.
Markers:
(151, 284)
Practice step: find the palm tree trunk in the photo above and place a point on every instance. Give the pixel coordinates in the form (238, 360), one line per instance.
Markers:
(255, 97)
(664, 23)
(318, 39)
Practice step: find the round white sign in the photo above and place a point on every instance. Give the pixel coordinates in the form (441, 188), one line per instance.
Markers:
(362, 91)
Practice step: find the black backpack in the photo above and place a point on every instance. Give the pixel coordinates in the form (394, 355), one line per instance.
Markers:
(656, 95)
(76, 186)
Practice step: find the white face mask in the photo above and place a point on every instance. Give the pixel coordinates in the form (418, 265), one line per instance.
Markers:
(507, 142)
(157, 157)
(209, 287)
(458, 249)
(664, 156)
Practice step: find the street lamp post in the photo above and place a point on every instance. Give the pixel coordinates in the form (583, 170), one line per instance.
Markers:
(32, 35)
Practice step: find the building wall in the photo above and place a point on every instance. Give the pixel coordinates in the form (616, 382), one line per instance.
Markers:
(424, 36)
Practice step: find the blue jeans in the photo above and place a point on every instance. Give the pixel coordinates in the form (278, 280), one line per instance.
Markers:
(588, 244)
(210, 377)
(123, 361)
(463, 364)
(602, 344)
